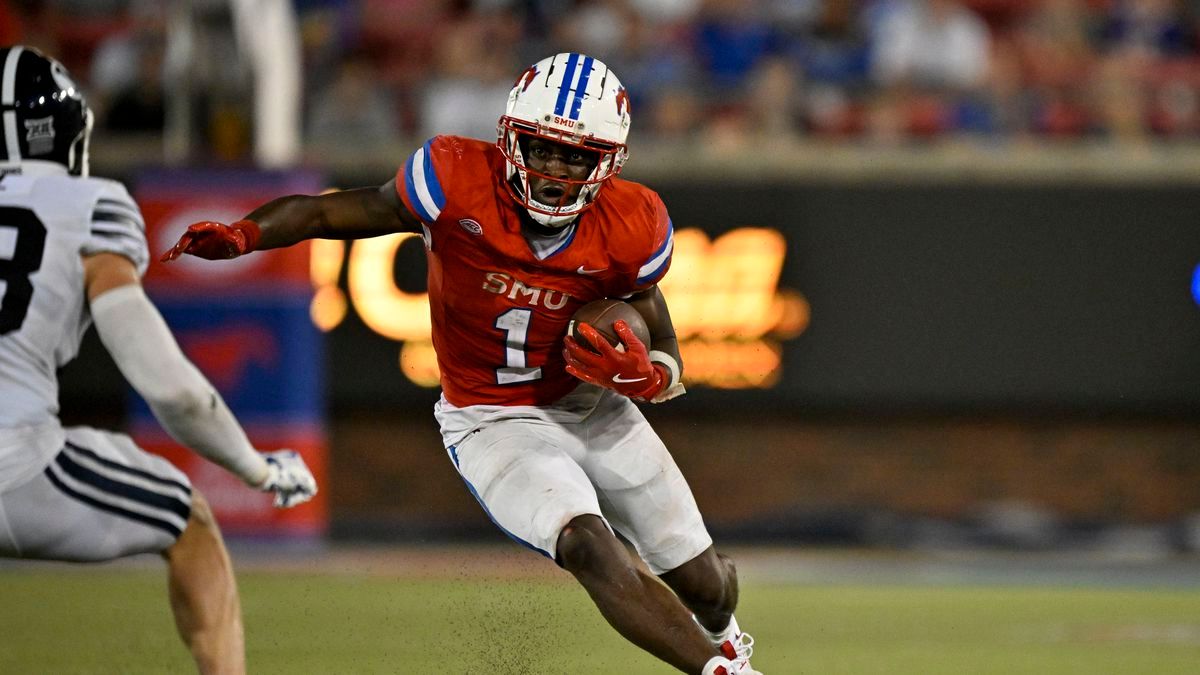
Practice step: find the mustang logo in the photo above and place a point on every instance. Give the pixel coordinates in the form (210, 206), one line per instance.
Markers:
(622, 101)
(526, 77)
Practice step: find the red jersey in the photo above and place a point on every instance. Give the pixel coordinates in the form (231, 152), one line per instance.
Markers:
(500, 313)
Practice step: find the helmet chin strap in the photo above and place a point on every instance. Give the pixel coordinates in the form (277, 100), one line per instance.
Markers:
(545, 219)
(555, 221)
(77, 154)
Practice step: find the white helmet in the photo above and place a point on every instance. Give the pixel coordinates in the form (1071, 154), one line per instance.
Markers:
(571, 99)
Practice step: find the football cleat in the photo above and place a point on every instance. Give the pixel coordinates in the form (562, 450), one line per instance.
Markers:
(735, 646)
(719, 665)
(738, 650)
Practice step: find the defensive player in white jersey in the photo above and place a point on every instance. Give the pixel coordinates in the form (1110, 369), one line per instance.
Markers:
(72, 252)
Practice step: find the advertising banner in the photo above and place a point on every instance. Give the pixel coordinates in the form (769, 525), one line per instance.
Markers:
(246, 325)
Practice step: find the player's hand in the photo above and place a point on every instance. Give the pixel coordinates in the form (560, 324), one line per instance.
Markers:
(630, 372)
(216, 241)
(289, 478)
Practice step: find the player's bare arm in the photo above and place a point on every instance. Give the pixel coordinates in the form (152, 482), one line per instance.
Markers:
(349, 214)
(104, 272)
(651, 304)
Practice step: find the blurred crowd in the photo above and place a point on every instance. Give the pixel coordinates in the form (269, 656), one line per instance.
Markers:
(736, 71)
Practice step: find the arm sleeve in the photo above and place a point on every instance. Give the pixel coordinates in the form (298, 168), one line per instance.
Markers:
(181, 398)
(116, 226)
(418, 181)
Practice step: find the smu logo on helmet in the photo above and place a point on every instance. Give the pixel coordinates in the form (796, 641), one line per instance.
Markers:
(568, 123)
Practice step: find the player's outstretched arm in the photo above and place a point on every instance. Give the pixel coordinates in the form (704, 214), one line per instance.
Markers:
(349, 214)
(181, 398)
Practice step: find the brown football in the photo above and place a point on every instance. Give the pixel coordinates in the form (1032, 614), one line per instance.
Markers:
(601, 314)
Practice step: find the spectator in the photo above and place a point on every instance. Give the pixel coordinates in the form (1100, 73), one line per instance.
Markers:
(354, 109)
(936, 44)
(1154, 27)
(731, 38)
(11, 29)
(834, 56)
(1056, 55)
(931, 58)
(122, 57)
(473, 64)
(654, 66)
(139, 105)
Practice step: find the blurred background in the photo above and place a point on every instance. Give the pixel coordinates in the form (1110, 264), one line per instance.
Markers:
(936, 272)
(936, 276)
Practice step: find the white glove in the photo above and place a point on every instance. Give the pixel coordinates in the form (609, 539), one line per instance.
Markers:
(289, 478)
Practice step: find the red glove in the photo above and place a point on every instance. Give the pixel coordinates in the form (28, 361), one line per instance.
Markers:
(216, 241)
(630, 373)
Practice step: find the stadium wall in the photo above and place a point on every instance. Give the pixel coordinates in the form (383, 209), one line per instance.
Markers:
(949, 354)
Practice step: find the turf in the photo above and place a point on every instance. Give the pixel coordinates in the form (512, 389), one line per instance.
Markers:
(113, 620)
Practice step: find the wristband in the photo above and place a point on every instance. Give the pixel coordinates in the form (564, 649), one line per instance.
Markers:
(667, 361)
(251, 231)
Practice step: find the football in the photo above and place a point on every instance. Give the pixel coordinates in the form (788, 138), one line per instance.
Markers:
(601, 314)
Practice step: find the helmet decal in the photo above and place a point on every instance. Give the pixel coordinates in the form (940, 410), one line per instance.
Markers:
(622, 99)
(39, 135)
(526, 78)
(575, 72)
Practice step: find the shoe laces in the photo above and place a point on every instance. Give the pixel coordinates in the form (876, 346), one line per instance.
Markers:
(742, 646)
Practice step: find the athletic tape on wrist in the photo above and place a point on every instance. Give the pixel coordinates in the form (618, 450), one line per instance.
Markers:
(669, 363)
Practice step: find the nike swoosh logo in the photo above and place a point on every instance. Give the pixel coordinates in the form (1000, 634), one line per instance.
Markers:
(584, 270)
(621, 380)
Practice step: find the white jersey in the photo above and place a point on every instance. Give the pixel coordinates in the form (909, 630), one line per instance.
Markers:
(49, 220)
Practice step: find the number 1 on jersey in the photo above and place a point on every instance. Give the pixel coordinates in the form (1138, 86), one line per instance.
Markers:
(515, 324)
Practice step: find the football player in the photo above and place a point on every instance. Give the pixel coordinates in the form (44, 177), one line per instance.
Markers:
(518, 235)
(72, 252)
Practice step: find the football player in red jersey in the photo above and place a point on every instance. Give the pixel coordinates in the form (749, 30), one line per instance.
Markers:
(518, 235)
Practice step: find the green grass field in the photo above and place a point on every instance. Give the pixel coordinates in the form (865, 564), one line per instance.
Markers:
(453, 619)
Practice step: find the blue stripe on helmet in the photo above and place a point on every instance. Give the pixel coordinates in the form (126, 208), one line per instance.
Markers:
(411, 189)
(582, 88)
(560, 106)
(431, 179)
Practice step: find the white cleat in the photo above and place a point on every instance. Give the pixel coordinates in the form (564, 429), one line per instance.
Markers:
(738, 649)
